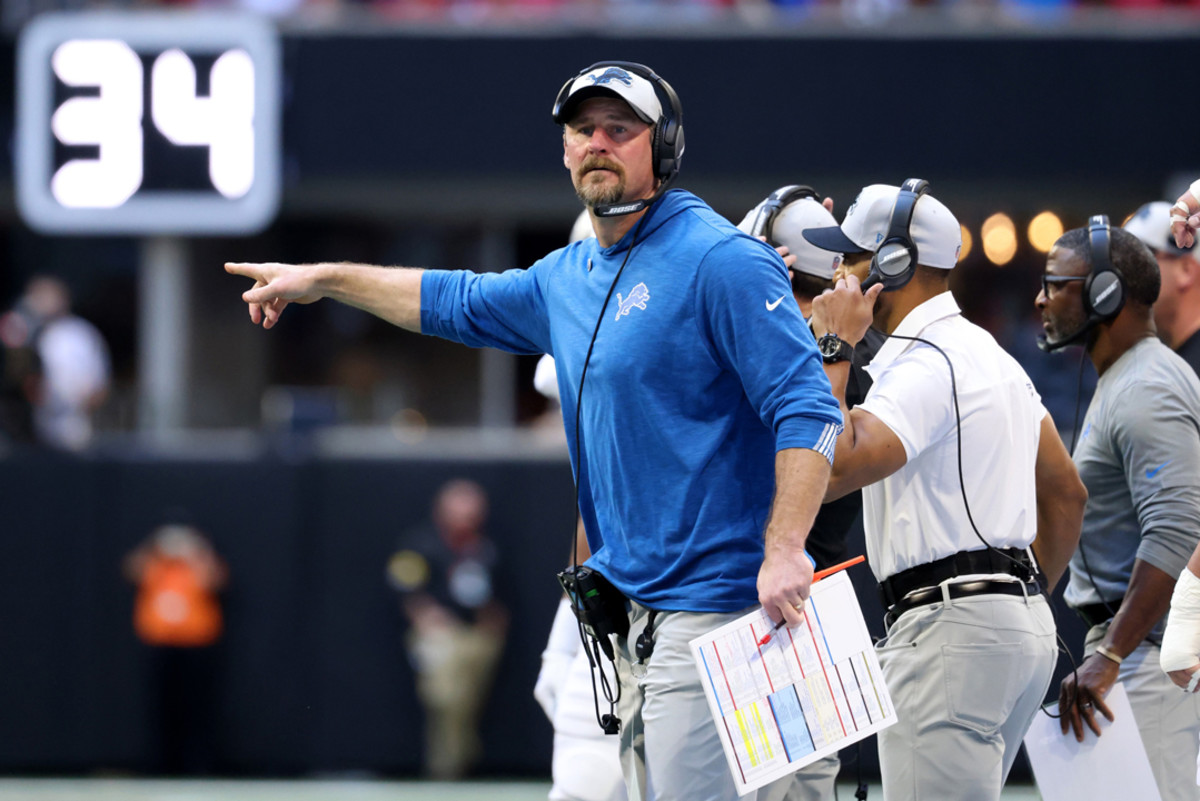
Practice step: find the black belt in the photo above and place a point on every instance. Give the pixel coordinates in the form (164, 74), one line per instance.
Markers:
(1013, 561)
(1095, 614)
(964, 589)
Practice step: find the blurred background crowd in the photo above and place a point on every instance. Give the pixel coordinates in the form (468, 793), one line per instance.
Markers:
(862, 13)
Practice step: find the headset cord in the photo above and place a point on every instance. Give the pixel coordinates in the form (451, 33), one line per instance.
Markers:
(962, 484)
(1043, 590)
(594, 658)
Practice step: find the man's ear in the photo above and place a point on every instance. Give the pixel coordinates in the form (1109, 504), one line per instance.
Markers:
(1188, 273)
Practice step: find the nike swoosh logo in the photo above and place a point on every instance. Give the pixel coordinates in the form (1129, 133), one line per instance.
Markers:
(1154, 472)
(771, 306)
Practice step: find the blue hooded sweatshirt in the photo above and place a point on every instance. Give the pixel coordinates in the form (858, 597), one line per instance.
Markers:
(702, 369)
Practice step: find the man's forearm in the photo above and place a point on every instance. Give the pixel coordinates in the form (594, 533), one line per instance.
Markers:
(785, 578)
(1146, 601)
(390, 293)
(800, 479)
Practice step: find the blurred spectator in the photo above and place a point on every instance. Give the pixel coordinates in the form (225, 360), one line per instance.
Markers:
(1177, 311)
(178, 575)
(444, 571)
(73, 357)
(20, 382)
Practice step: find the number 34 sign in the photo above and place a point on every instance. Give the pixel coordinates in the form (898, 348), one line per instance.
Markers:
(153, 123)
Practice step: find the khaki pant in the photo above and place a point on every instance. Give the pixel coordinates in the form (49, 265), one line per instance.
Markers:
(454, 668)
(815, 782)
(670, 749)
(966, 676)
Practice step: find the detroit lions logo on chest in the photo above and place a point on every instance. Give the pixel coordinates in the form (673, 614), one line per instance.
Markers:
(637, 298)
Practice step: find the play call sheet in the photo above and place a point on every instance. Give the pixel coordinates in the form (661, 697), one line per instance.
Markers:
(808, 692)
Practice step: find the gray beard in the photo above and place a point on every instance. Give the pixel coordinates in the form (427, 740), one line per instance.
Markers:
(593, 196)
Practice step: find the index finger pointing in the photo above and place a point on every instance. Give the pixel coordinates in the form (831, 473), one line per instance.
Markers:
(242, 268)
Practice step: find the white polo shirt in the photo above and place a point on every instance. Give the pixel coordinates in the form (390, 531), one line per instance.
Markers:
(916, 515)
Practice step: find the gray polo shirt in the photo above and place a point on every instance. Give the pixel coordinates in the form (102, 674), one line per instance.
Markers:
(1139, 456)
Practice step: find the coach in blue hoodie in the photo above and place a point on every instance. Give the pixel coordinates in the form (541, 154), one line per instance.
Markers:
(700, 422)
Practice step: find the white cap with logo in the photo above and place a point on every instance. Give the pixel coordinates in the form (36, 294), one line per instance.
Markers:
(609, 81)
(934, 230)
(787, 228)
(1152, 224)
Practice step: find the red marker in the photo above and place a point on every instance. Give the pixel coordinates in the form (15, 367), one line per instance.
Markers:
(820, 574)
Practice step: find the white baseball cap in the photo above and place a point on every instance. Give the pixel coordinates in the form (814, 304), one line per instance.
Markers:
(934, 230)
(786, 229)
(612, 81)
(1152, 224)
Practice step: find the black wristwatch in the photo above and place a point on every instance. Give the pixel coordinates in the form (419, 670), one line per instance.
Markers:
(834, 349)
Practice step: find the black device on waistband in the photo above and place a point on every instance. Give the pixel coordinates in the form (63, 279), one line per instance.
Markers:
(598, 605)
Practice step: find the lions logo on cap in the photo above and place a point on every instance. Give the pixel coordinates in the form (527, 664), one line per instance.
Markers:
(1143, 213)
(612, 74)
(853, 205)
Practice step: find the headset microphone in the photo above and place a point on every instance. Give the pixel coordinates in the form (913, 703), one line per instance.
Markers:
(1047, 345)
(621, 209)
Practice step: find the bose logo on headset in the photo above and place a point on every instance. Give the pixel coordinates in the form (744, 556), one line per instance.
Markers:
(1103, 296)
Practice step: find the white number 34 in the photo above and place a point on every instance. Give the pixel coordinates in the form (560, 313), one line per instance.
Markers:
(223, 121)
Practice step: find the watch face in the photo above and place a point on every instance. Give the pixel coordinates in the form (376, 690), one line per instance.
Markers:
(833, 348)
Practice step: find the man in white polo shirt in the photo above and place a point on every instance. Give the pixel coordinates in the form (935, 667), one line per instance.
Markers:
(970, 647)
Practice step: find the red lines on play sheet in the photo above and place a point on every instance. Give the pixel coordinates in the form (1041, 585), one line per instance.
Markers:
(812, 639)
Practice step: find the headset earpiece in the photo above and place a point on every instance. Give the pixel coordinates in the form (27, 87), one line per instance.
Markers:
(776, 202)
(895, 260)
(1104, 290)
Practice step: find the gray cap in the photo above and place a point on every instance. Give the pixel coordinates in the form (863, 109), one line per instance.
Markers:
(787, 228)
(934, 230)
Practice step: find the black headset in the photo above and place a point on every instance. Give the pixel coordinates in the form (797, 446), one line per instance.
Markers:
(666, 148)
(776, 202)
(895, 260)
(1103, 291)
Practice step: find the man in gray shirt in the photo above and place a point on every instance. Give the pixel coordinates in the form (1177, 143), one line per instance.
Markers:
(1139, 456)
